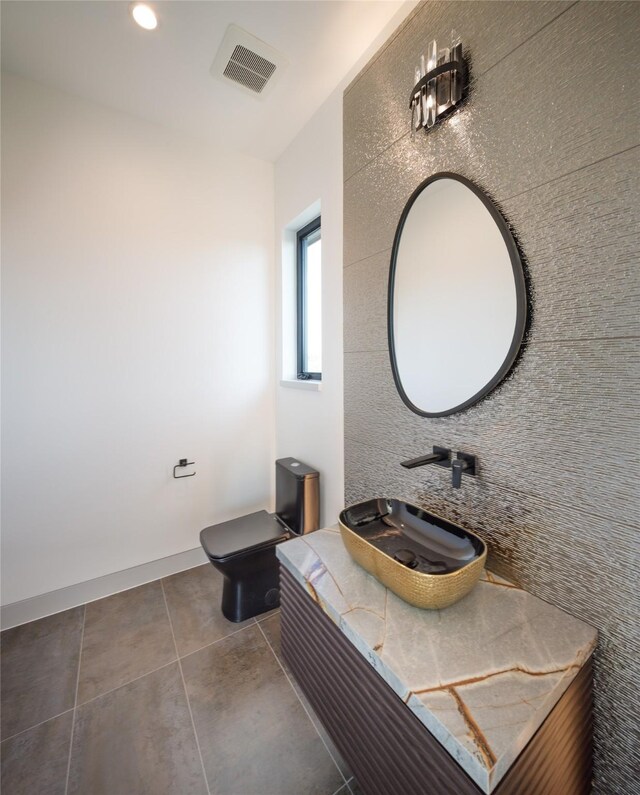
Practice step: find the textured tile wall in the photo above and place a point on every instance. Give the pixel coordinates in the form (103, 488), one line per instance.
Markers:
(551, 132)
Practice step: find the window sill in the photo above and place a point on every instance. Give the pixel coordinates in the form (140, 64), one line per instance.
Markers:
(294, 383)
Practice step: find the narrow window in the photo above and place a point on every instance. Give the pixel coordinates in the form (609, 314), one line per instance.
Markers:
(309, 292)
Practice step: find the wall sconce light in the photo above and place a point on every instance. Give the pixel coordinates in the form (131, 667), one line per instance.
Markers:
(440, 86)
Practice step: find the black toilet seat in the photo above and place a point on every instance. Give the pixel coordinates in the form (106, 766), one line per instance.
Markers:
(242, 536)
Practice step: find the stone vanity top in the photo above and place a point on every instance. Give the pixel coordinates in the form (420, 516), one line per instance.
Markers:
(481, 675)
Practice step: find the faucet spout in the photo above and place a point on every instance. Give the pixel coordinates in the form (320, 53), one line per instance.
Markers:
(440, 456)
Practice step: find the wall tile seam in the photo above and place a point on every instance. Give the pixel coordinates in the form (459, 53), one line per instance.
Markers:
(499, 202)
(573, 171)
(622, 523)
(538, 341)
(551, 21)
(378, 156)
(369, 350)
(414, 14)
(542, 498)
(476, 76)
(513, 196)
(384, 47)
(554, 340)
(369, 256)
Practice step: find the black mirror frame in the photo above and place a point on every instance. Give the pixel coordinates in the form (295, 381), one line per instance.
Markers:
(520, 285)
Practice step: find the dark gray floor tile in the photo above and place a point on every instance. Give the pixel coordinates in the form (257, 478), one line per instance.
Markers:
(255, 737)
(194, 598)
(39, 670)
(137, 739)
(354, 787)
(35, 761)
(125, 636)
(268, 614)
(271, 628)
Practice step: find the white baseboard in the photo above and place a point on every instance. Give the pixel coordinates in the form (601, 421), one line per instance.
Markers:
(47, 604)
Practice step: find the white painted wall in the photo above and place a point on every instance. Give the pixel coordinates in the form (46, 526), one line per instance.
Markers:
(309, 423)
(308, 179)
(137, 330)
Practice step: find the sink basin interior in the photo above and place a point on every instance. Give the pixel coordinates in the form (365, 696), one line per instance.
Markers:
(413, 537)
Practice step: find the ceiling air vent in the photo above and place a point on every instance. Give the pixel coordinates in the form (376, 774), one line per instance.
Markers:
(249, 63)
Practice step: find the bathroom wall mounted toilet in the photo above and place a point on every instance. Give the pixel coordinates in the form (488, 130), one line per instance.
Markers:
(243, 550)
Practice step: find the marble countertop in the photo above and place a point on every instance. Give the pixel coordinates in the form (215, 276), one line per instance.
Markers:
(481, 675)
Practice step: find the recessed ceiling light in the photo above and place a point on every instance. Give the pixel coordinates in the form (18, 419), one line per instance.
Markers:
(145, 16)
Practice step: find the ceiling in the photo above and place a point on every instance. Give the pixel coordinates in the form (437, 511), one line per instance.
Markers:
(94, 50)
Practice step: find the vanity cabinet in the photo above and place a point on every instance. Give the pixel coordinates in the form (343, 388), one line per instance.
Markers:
(388, 749)
(383, 741)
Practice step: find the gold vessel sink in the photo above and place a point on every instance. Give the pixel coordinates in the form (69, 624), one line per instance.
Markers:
(423, 559)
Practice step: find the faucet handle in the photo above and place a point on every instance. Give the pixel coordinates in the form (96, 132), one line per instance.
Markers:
(463, 463)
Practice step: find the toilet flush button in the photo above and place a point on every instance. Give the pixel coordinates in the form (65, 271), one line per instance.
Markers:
(272, 597)
(295, 464)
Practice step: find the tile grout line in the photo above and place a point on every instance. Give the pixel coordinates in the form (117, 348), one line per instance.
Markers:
(184, 685)
(112, 689)
(568, 173)
(538, 341)
(267, 616)
(345, 781)
(146, 673)
(563, 340)
(475, 77)
(532, 36)
(35, 725)
(369, 256)
(500, 201)
(495, 483)
(49, 594)
(75, 701)
(213, 642)
(126, 684)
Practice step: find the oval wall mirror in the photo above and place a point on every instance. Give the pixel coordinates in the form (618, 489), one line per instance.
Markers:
(457, 297)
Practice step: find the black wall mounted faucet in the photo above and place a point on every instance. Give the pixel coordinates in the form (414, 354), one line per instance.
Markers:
(463, 463)
(440, 456)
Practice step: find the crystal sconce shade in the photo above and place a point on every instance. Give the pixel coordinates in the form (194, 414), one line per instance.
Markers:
(440, 84)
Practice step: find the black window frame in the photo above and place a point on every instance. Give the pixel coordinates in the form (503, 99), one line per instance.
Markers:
(301, 267)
